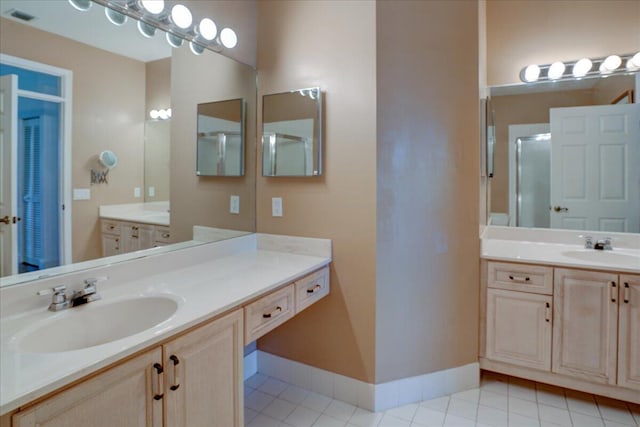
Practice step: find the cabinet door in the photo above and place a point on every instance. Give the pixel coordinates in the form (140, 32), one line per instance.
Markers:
(146, 236)
(110, 245)
(121, 396)
(629, 333)
(129, 238)
(204, 376)
(585, 325)
(519, 328)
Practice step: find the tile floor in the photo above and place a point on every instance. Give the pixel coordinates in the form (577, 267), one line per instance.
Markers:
(500, 401)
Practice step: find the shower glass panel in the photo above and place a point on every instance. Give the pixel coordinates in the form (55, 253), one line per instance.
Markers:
(533, 165)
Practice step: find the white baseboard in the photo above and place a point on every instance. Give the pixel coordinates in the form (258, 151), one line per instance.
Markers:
(373, 397)
(250, 364)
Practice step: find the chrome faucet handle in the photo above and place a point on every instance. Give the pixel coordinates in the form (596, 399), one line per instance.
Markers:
(90, 285)
(588, 244)
(59, 300)
(87, 294)
(607, 244)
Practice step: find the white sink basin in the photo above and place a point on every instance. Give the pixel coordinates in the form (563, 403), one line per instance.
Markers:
(94, 324)
(604, 256)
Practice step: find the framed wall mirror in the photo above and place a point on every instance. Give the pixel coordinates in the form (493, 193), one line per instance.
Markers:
(292, 133)
(220, 138)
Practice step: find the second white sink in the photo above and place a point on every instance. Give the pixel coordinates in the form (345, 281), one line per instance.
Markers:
(95, 323)
(613, 257)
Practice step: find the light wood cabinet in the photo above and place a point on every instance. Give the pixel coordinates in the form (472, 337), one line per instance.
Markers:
(629, 332)
(121, 396)
(194, 380)
(519, 328)
(119, 237)
(268, 312)
(204, 376)
(585, 329)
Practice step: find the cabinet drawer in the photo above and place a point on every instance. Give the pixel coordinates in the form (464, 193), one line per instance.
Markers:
(110, 227)
(520, 277)
(311, 288)
(162, 235)
(268, 312)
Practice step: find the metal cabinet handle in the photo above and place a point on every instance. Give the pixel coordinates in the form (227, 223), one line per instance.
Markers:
(276, 311)
(560, 209)
(627, 293)
(613, 291)
(547, 312)
(176, 378)
(6, 219)
(166, 235)
(314, 289)
(519, 278)
(159, 382)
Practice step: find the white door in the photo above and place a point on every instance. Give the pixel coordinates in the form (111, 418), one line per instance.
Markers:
(8, 168)
(595, 178)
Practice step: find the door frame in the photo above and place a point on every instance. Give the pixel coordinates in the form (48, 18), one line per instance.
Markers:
(65, 99)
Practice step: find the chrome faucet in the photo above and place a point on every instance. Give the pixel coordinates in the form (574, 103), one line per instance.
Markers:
(588, 243)
(603, 245)
(61, 301)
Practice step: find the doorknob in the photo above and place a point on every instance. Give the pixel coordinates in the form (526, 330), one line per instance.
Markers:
(6, 219)
(560, 209)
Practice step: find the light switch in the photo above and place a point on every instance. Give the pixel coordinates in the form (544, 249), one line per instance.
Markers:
(152, 191)
(81, 194)
(276, 206)
(136, 192)
(234, 204)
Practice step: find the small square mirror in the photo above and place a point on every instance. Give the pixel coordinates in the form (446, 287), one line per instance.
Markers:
(220, 150)
(292, 133)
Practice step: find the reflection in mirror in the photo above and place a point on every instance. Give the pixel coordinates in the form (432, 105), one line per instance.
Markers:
(566, 157)
(292, 133)
(117, 77)
(221, 138)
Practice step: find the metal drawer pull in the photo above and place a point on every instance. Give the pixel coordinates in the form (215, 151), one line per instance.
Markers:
(613, 292)
(165, 235)
(176, 378)
(626, 295)
(519, 278)
(314, 289)
(111, 227)
(277, 310)
(159, 383)
(547, 312)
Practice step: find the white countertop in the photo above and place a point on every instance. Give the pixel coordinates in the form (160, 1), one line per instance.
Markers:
(204, 289)
(156, 213)
(561, 248)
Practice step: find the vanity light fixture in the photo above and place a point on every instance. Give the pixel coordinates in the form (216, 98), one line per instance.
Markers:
(177, 24)
(583, 68)
(160, 114)
(116, 18)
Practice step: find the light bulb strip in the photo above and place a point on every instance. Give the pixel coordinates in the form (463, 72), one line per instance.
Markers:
(161, 22)
(568, 70)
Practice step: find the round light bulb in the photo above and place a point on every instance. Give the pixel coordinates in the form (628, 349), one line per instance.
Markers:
(181, 16)
(146, 30)
(207, 29)
(174, 40)
(196, 48)
(531, 73)
(611, 63)
(169, 112)
(556, 70)
(228, 38)
(116, 18)
(582, 67)
(81, 5)
(635, 60)
(154, 7)
(163, 114)
(154, 114)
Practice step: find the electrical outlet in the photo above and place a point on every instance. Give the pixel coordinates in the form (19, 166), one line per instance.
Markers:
(276, 206)
(137, 192)
(152, 191)
(234, 204)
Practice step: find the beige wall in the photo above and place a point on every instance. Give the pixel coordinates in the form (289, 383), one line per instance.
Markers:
(427, 197)
(157, 134)
(108, 114)
(336, 51)
(205, 200)
(526, 32)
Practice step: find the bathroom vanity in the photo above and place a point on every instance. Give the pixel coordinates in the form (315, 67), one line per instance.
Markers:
(172, 353)
(554, 312)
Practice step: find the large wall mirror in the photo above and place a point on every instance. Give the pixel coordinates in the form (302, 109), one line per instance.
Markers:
(114, 77)
(567, 155)
(292, 133)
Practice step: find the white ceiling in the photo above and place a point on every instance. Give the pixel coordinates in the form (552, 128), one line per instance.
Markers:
(91, 27)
